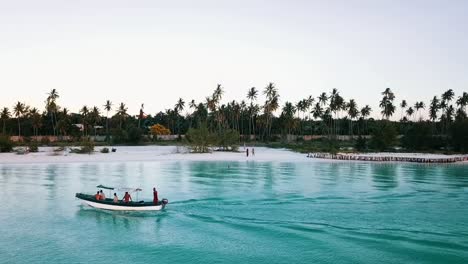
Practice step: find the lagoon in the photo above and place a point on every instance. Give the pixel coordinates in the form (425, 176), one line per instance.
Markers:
(238, 212)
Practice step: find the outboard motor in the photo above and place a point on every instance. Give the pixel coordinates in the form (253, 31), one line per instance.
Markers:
(164, 201)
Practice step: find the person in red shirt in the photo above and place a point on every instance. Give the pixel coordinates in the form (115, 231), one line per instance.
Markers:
(127, 198)
(155, 196)
(97, 196)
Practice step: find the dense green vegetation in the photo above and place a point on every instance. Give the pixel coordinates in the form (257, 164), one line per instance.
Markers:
(337, 124)
(6, 145)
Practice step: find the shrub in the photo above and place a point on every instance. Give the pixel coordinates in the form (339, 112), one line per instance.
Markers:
(33, 146)
(200, 139)
(459, 134)
(119, 135)
(6, 145)
(361, 143)
(135, 135)
(228, 140)
(417, 137)
(87, 147)
(384, 136)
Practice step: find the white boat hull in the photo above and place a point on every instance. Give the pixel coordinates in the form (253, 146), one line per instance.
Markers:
(121, 207)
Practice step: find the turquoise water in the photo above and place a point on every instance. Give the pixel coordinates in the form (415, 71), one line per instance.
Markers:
(239, 212)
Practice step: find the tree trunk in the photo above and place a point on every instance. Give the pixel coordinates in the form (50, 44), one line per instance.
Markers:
(19, 128)
(107, 127)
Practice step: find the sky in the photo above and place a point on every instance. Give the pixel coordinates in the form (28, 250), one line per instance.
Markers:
(154, 52)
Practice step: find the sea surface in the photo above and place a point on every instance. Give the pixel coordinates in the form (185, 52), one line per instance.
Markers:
(238, 212)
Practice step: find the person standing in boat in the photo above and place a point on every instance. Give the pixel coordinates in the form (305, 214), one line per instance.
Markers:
(97, 196)
(155, 196)
(127, 198)
(116, 199)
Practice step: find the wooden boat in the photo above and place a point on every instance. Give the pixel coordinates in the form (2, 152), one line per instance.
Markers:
(109, 204)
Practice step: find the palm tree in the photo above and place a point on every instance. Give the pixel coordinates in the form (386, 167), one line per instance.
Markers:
(52, 108)
(218, 93)
(446, 98)
(387, 103)
(18, 110)
(450, 113)
(353, 113)
(84, 118)
(317, 111)
(107, 107)
(251, 95)
(179, 107)
(309, 104)
(417, 106)
(192, 104)
(64, 124)
(365, 112)
(460, 115)
(301, 107)
(36, 120)
(95, 117)
(323, 98)
(4, 116)
(403, 106)
(448, 95)
(434, 108)
(213, 103)
(409, 112)
(337, 103)
(201, 114)
(122, 113)
(193, 107)
(462, 101)
(288, 115)
(141, 114)
(242, 108)
(271, 104)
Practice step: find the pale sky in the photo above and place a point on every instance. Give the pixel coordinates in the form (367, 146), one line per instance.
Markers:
(154, 52)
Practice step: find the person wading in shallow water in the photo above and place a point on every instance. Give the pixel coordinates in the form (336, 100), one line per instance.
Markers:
(127, 198)
(155, 196)
(247, 153)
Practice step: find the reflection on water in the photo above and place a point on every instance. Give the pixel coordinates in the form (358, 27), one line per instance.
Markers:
(239, 212)
(385, 176)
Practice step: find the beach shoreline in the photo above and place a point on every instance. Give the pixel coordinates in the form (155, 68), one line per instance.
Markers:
(149, 153)
(392, 157)
(178, 153)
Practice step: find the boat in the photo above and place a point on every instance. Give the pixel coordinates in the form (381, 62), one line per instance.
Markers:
(108, 204)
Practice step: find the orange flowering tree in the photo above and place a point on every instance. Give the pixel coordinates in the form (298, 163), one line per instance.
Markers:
(158, 129)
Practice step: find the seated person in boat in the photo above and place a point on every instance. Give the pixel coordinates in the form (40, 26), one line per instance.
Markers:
(127, 198)
(103, 196)
(116, 199)
(97, 196)
(155, 196)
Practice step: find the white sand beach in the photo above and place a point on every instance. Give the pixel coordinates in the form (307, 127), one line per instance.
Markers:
(149, 153)
(173, 153)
